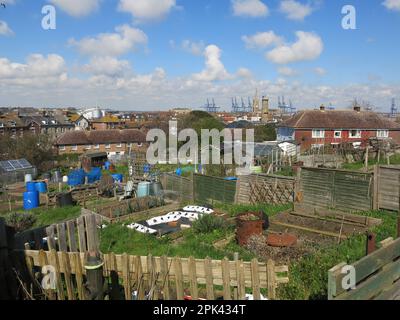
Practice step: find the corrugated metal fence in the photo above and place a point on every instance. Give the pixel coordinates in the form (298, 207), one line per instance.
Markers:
(387, 185)
(336, 189)
(177, 187)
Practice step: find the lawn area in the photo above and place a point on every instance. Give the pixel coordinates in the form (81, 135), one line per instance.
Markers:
(47, 217)
(309, 276)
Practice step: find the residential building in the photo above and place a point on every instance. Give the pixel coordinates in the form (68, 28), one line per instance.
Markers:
(316, 128)
(114, 142)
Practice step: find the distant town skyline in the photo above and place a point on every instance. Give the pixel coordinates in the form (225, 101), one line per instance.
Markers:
(148, 55)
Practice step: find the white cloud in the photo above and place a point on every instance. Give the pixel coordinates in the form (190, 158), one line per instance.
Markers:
(147, 9)
(244, 73)
(250, 8)
(262, 40)
(215, 69)
(320, 71)
(287, 71)
(125, 39)
(5, 30)
(195, 48)
(308, 46)
(295, 10)
(392, 4)
(77, 8)
(108, 66)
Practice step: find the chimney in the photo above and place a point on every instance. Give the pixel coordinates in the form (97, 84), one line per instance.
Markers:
(357, 108)
(322, 108)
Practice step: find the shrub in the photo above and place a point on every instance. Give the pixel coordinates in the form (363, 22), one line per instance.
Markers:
(209, 223)
(20, 221)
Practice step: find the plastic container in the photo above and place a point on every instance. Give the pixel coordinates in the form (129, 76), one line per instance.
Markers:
(31, 200)
(65, 200)
(156, 189)
(118, 177)
(28, 178)
(143, 189)
(31, 186)
(41, 187)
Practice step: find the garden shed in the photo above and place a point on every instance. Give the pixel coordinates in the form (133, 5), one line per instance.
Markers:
(13, 171)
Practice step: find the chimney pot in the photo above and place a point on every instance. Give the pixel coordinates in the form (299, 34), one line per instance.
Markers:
(322, 107)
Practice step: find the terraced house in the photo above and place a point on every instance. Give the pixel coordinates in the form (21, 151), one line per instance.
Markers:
(114, 142)
(313, 129)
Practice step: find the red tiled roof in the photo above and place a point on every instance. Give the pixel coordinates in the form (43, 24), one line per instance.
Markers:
(339, 119)
(101, 137)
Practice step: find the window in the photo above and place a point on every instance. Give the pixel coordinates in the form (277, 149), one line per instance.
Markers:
(88, 147)
(119, 145)
(338, 134)
(74, 148)
(317, 146)
(318, 133)
(62, 148)
(108, 146)
(96, 146)
(382, 133)
(355, 134)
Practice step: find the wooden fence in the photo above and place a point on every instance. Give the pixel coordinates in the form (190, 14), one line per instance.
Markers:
(177, 188)
(162, 277)
(377, 276)
(335, 189)
(262, 188)
(387, 187)
(209, 189)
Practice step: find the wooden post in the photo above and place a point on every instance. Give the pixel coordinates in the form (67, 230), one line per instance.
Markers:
(235, 289)
(375, 199)
(366, 159)
(94, 274)
(371, 246)
(271, 280)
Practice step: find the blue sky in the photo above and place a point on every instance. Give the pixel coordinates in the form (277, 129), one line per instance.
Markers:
(170, 53)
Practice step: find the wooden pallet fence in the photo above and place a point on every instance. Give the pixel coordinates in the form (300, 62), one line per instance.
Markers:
(169, 278)
(377, 276)
(272, 193)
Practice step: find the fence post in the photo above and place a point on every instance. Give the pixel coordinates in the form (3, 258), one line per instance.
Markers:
(271, 279)
(375, 200)
(371, 247)
(94, 274)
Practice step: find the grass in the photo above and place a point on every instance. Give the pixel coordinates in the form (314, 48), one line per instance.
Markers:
(356, 166)
(270, 210)
(309, 276)
(47, 217)
(119, 239)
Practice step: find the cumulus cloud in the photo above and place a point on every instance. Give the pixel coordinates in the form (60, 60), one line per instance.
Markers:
(262, 40)
(144, 10)
(108, 66)
(215, 69)
(295, 10)
(124, 39)
(195, 48)
(308, 46)
(5, 30)
(392, 4)
(77, 8)
(250, 8)
(320, 71)
(287, 71)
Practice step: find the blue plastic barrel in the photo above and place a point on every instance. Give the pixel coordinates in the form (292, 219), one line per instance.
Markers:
(107, 165)
(41, 187)
(31, 200)
(118, 177)
(143, 189)
(31, 186)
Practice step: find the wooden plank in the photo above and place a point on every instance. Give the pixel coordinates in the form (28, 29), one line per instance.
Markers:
(226, 279)
(392, 293)
(51, 242)
(178, 278)
(139, 278)
(255, 279)
(67, 276)
(44, 261)
(54, 261)
(91, 233)
(165, 277)
(126, 277)
(241, 280)
(209, 279)
(368, 265)
(71, 236)
(62, 237)
(82, 234)
(271, 279)
(193, 279)
(372, 287)
(78, 275)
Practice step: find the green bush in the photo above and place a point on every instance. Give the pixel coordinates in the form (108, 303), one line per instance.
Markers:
(20, 221)
(209, 223)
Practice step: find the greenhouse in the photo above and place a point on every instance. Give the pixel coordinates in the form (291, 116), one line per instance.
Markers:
(13, 171)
